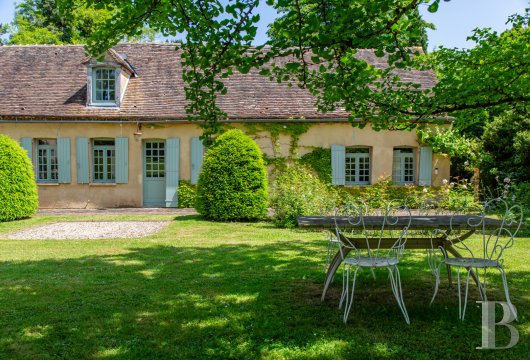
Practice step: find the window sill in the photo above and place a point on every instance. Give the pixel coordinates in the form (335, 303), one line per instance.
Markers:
(103, 105)
(47, 184)
(102, 184)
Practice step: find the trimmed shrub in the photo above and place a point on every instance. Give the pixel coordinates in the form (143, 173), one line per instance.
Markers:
(233, 181)
(18, 190)
(187, 193)
(297, 192)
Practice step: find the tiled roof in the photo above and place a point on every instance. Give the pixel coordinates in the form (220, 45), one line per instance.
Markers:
(47, 82)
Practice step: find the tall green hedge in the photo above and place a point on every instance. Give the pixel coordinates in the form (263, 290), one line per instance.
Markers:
(233, 180)
(18, 191)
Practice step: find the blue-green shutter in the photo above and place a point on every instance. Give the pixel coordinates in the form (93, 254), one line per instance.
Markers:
(81, 151)
(63, 160)
(196, 155)
(172, 171)
(425, 176)
(338, 163)
(27, 144)
(122, 160)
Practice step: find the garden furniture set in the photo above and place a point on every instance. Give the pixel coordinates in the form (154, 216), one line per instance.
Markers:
(375, 239)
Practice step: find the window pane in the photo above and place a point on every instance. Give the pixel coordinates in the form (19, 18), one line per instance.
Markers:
(104, 85)
(46, 159)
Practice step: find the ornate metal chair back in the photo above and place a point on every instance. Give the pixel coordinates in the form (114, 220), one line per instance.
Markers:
(495, 236)
(349, 222)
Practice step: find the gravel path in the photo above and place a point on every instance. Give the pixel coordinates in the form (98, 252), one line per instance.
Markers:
(90, 230)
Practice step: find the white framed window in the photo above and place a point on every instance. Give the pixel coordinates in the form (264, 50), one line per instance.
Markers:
(403, 169)
(104, 86)
(357, 166)
(104, 160)
(46, 156)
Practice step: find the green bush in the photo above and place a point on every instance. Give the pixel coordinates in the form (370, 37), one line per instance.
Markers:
(320, 162)
(453, 195)
(233, 181)
(297, 192)
(456, 195)
(522, 196)
(187, 194)
(18, 191)
(506, 143)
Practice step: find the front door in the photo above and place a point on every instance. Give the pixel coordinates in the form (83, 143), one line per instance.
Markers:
(154, 156)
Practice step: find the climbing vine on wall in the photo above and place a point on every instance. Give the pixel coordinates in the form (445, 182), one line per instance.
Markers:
(319, 160)
(293, 130)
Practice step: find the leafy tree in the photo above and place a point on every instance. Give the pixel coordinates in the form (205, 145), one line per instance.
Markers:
(39, 22)
(506, 144)
(318, 43)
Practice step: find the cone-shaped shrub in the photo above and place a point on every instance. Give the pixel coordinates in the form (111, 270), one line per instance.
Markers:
(233, 180)
(18, 191)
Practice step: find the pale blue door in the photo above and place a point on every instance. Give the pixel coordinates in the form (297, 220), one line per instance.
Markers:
(154, 169)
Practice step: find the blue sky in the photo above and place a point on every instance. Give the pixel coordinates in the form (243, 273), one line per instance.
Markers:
(454, 20)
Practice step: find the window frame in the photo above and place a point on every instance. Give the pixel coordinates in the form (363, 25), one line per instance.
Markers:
(105, 159)
(159, 171)
(92, 84)
(50, 164)
(96, 81)
(411, 156)
(357, 156)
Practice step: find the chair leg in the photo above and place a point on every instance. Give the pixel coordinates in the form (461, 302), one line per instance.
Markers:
(345, 277)
(373, 272)
(348, 305)
(449, 276)
(459, 294)
(482, 285)
(506, 292)
(437, 282)
(467, 290)
(395, 283)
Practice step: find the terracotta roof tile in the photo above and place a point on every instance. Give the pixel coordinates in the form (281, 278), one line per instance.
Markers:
(51, 82)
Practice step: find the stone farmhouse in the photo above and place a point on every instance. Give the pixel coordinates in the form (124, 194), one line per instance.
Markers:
(114, 133)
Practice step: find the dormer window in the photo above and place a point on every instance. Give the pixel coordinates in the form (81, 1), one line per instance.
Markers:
(107, 80)
(104, 86)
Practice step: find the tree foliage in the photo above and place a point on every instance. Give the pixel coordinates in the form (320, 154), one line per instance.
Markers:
(40, 22)
(452, 143)
(506, 146)
(315, 45)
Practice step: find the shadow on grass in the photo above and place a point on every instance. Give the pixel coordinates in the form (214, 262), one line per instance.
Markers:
(225, 302)
(189, 217)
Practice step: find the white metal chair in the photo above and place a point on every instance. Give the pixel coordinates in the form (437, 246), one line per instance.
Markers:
(369, 252)
(484, 251)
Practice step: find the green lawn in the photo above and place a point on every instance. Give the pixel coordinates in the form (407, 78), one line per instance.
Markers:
(208, 290)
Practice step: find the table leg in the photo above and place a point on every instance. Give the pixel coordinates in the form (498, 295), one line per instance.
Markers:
(449, 275)
(453, 251)
(333, 266)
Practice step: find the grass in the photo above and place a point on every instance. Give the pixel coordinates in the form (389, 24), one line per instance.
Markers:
(200, 289)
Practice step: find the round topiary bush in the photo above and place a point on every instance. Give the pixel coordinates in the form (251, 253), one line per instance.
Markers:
(233, 180)
(18, 191)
